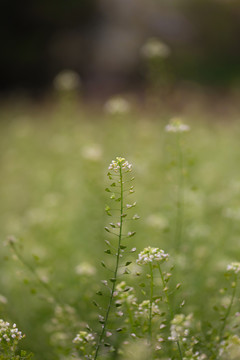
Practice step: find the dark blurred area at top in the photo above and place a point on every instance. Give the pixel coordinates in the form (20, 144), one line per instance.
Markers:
(101, 41)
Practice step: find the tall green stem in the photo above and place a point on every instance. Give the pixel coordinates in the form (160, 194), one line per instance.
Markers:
(151, 302)
(228, 311)
(115, 271)
(180, 196)
(169, 307)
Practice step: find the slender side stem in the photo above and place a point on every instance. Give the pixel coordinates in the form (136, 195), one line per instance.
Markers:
(151, 302)
(165, 292)
(228, 310)
(115, 271)
(35, 274)
(130, 317)
(169, 307)
(180, 196)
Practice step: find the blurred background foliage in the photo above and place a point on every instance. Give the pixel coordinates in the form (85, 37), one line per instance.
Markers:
(102, 39)
(54, 154)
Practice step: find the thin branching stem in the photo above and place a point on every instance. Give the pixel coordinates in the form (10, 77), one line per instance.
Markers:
(169, 307)
(180, 196)
(33, 271)
(115, 271)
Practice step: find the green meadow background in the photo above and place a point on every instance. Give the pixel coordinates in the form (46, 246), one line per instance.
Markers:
(54, 162)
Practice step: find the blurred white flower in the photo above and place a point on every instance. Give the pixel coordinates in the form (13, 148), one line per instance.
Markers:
(234, 266)
(180, 326)
(93, 152)
(85, 269)
(231, 213)
(117, 105)
(3, 299)
(176, 125)
(67, 80)
(155, 48)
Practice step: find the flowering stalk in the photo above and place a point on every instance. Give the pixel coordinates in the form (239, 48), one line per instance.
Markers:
(180, 196)
(165, 289)
(119, 166)
(235, 269)
(177, 126)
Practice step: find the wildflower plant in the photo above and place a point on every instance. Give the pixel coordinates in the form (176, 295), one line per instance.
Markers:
(121, 186)
(177, 127)
(154, 258)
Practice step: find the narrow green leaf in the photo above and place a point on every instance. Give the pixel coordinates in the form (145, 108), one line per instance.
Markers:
(131, 233)
(108, 251)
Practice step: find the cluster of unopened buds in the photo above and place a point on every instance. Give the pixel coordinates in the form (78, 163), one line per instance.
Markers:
(150, 254)
(9, 334)
(234, 267)
(176, 125)
(120, 163)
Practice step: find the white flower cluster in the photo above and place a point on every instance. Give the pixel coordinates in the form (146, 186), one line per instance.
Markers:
(177, 126)
(180, 327)
(120, 163)
(149, 254)
(8, 334)
(83, 337)
(234, 266)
